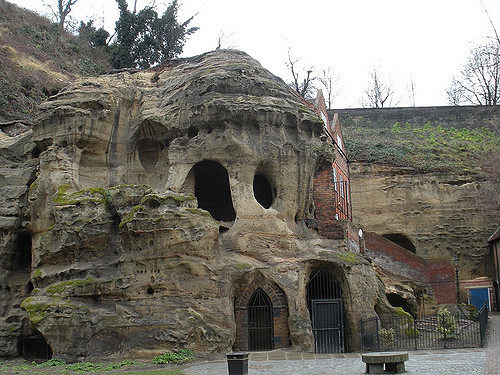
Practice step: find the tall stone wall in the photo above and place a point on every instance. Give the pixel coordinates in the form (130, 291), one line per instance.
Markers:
(448, 116)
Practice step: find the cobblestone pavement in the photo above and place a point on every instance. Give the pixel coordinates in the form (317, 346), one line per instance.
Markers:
(431, 362)
(457, 361)
(493, 345)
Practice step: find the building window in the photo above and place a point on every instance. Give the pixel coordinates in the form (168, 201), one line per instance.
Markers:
(341, 183)
(334, 172)
(325, 120)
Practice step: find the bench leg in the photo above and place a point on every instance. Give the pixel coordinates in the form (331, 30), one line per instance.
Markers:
(396, 368)
(374, 368)
(400, 368)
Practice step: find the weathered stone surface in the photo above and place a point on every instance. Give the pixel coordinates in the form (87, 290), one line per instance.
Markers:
(17, 169)
(441, 213)
(161, 194)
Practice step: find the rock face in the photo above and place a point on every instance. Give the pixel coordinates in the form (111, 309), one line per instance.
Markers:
(435, 215)
(167, 200)
(17, 171)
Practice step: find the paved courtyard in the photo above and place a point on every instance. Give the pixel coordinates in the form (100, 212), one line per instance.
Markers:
(430, 362)
(467, 362)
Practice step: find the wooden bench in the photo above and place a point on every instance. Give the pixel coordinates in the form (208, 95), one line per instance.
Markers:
(383, 363)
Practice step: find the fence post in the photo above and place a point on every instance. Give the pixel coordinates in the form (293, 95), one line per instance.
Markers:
(482, 317)
(378, 336)
(415, 333)
(362, 335)
(444, 332)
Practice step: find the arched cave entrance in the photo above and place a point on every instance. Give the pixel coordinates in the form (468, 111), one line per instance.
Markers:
(401, 240)
(260, 313)
(263, 191)
(32, 345)
(35, 347)
(211, 188)
(324, 301)
(397, 301)
(260, 321)
(21, 258)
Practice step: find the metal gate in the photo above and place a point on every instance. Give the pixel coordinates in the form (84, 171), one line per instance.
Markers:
(260, 322)
(324, 300)
(327, 323)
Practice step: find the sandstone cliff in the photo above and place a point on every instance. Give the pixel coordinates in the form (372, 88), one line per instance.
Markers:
(163, 199)
(437, 215)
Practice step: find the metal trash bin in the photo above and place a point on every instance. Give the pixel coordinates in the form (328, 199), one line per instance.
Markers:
(237, 363)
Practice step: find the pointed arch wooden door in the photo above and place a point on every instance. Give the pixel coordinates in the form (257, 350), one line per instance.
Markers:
(260, 321)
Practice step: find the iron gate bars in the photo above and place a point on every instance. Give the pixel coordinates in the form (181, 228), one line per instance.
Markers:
(327, 325)
(324, 300)
(260, 321)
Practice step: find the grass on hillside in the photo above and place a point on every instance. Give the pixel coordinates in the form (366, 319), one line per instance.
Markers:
(425, 147)
(35, 62)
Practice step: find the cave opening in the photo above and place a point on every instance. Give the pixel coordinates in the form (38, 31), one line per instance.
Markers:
(263, 191)
(211, 188)
(397, 301)
(149, 153)
(401, 240)
(21, 258)
(35, 347)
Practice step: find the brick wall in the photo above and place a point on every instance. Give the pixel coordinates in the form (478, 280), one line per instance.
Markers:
(280, 313)
(439, 274)
(332, 208)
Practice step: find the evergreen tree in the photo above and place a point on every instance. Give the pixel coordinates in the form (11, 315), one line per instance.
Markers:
(94, 37)
(143, 39)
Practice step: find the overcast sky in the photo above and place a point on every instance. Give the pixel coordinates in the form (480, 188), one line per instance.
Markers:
(426, 41)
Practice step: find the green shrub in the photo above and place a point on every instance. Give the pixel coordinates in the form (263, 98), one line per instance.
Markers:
(181, 356)
(85, 367)
(97, 367)
(52, 362)
(446, 322)
(388, 336)
(412, 332)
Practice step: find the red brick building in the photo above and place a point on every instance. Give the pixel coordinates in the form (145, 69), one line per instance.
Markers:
(332, 194)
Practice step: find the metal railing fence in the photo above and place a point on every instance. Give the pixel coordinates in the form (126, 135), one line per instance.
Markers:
(441, 331)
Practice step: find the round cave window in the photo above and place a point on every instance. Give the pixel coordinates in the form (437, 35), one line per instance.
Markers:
(263, 191)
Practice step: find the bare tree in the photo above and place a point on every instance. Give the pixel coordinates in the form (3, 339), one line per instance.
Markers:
(479, 80)
(64, 8)
(455, 94)
(491, 22)
(60, 12)
(222, 40)
(304, 87)
(330, 81)
(379, 93)
(412, 90)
